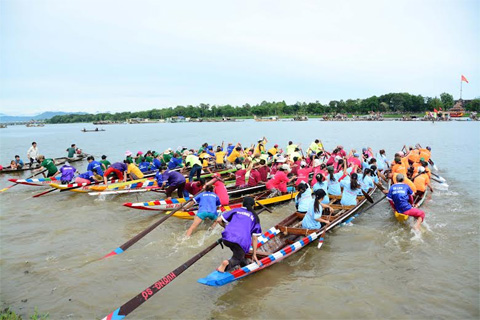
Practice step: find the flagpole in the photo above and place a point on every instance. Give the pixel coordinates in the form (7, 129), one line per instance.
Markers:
(461, 88)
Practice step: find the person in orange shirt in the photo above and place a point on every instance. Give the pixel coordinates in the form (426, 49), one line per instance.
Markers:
(425, 154)
(399, 167)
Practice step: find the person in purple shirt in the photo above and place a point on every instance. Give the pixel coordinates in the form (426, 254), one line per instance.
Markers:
(67, 172)
(208, 202)
(400, 197)
(92, 164)
(172, 179)
(242, 228)
(117, 168)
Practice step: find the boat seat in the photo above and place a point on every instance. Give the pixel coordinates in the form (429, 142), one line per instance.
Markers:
(295, 231)
(260, 254)
(341, 207)
(332, 197)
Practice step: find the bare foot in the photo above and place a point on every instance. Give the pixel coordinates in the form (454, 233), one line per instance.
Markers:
(223, 266)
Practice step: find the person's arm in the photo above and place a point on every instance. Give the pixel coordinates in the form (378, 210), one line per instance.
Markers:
(430, 186)
(254, 246)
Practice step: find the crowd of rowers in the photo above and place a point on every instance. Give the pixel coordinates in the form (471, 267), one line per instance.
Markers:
(319, 176)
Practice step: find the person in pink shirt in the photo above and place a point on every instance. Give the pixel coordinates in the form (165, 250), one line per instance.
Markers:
(278, 184)
(255, 178)
(318, 167)
(264, 170)
(355, 160)
(240, 176)
(296, 165)
(341, 152)
(220, 189)
(303, 173)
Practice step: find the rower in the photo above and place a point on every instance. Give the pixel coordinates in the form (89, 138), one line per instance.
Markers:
(88, 177)
(313, 217)
(92, 164)
(133, 171)
(303, 198)
(118, 169)
(194, 163)
(47, 164)
(174, 180)
(105, 163)
(208, 203)
(71, 151)
(193, 187)
(350, 190)
(278, 184)
(220, 157)
(67, 172)
(322, 183)
(400, 197)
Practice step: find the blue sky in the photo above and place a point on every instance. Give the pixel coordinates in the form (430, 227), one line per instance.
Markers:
(136, 55)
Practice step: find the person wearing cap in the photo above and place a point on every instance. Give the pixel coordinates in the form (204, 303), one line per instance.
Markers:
(93, 164)
(105, 163)
(208, 203)
(260, 147)
(273, 151)
(240, 176)
(354, 159)
(139, 157)
(116, 169)
(278, 184)
(303, 173)
(133, 171)
(400, 196)
(421, 182)
(47, 164)
(128, 155)
(67, 172)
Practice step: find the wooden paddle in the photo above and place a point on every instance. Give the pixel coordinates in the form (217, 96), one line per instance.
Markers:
(146, 294)
(13, 185)
(367, 196)
(379, 186)
(142, 234)
(43, 193)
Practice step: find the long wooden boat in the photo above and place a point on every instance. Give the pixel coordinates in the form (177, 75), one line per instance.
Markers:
(261, 199)
(37, 182)
(58, 161)
(283, 240)
(164, 205)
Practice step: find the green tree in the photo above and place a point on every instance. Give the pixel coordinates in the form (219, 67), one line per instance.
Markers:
(447, 100)
(473, 105)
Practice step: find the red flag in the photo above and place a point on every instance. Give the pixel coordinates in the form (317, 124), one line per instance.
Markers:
(464, 79)
(440, 108)
(435, 110)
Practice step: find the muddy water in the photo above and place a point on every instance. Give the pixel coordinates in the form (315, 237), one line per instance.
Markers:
(374, 268)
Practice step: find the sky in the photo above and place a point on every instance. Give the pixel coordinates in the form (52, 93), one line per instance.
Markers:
(99, 56)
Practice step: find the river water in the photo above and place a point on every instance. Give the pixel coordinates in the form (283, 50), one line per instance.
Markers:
(375, 268)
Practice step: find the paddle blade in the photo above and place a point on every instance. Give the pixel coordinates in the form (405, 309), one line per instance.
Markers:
(43, 193)
(367, 196)
(320, 243)
(5, 189)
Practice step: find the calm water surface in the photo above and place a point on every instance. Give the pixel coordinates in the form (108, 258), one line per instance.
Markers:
(372, 269)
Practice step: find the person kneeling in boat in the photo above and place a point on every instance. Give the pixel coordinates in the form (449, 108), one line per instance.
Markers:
(278, 184)
(400, 197)
(88, 177)
(313, 217)
(208, 202)
(242, 229)
(303, 198)
(67, 172)
(174, 179)
(421, 181)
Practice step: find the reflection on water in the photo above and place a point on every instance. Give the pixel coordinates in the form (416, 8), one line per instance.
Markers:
(375, 268)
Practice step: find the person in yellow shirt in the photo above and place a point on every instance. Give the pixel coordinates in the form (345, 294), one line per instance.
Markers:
(133, 171)
(260, 147)
(273, 151)
(237, 152)
(315, 147)
(220, 158)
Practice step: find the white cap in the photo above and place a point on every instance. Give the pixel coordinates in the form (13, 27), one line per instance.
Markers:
(421, 169)
(317, 162)
(303, 164)
(286, 167)
(238, 166)
(281, 159)
(338, 158)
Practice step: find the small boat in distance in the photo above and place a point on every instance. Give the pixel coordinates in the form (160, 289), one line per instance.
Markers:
(271, 118)
(92, 130)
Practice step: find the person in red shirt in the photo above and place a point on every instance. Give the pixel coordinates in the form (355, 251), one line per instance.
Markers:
(240, 176)
(194, 187)
(255, 177)
(264, 170)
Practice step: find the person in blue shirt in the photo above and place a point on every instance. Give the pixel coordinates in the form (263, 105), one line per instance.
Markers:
(18, 162)
(313, 217)
(208, 203)
(400, 197)
(175, 162)
(230, 148)
(144, 166)
(92, 164)
(366, 181)
(303, 198)
(350, 191)
(322, 183)
(335, 178)
(157, 162)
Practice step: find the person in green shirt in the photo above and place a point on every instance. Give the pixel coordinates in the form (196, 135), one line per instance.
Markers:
(105, 163)
(167, 155)
(71, 151)
(139, 158)
(47, 164)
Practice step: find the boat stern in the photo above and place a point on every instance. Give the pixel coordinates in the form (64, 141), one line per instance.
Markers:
(217, 278)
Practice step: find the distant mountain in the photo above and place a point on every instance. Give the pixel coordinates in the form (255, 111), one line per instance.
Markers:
(41, 116)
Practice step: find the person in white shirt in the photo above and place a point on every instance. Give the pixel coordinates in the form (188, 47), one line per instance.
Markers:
(32, 153)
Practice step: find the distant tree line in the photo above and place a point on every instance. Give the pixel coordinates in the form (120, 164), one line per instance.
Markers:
(387, 103)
